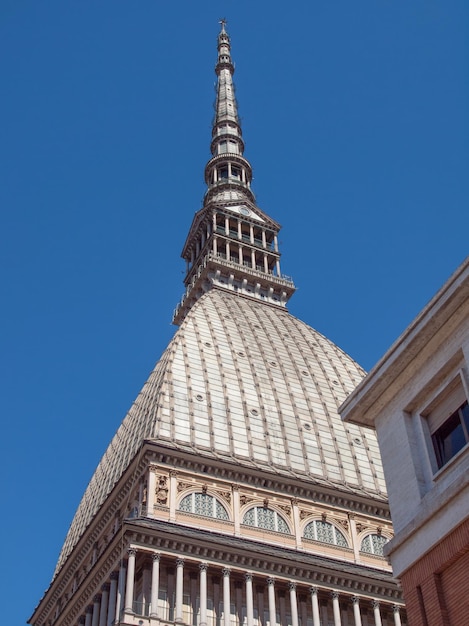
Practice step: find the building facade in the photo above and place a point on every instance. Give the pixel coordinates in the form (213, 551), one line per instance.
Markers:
(417, 397)
(232, 493)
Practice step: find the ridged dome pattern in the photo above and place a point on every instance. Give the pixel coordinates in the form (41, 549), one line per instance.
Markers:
(249, 384)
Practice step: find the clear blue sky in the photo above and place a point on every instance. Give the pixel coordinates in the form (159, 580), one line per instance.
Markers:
(355, 121)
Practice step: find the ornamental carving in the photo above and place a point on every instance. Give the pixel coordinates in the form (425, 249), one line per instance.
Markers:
(243, 499)
(304, 514)
(161, 490)
(285, 508)
(182, 486)
(226, 495)
(343, 523)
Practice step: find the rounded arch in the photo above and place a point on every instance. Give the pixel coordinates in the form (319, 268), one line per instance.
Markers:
(373, 543)
(202, 503)
(326, 532)
(260, 516)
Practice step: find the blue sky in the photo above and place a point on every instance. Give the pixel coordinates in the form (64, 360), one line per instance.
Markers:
(355, 121)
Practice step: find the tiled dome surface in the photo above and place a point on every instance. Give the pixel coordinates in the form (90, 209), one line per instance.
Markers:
(248, 383)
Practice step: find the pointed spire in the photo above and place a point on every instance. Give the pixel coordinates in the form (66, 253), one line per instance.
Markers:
(228, 167)
(232, 244)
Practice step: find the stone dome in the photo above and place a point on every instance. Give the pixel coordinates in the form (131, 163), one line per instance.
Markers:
(247, 384)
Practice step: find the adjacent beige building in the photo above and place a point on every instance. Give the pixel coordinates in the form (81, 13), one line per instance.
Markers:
(417, 398)
(232, 493)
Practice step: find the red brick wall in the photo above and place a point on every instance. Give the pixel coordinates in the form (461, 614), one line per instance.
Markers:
(436, 588)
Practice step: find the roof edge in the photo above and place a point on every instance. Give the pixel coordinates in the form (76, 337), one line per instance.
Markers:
(356, 408)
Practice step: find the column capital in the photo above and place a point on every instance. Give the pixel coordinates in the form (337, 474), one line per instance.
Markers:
(335, 595)
(313, 590)
(179, 562)
(294, 501)
(355, 599)
(82, 620)
(114, 575)
(375, 604)
(203, 567)
(131, 551)
(226, 572)
(396, 608)
(105, 587)
(89, 608)
(235, 486)
(291, 585)
(248, 577)
(153, 468)
(270, 581)
(97, 598)
(156, 556)
(173, 473)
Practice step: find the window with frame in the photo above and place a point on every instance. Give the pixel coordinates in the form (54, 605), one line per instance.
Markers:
(203, 504)
(263, 517)
(452, 435)
(320, 530)
(448, 422)
(373, 544)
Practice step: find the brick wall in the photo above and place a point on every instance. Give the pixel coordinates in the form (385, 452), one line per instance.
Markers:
(436, 588)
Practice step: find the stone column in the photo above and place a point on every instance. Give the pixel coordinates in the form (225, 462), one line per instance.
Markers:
(179, 589)
(376, 612)
(151, 491)
(353, 534)
(172, 495)
(336, 608)
(236, 511)
(129, 587)
(104, 603)
(226, 597)
(356, 610)
(89, 615)
(272, 610)
(249, 600)
(96, 605)
(293, 604)
(120, 591)
(203, 594)
(155, 584)
(397, 615)
(315, 606)
(296, 522)
(111, 607)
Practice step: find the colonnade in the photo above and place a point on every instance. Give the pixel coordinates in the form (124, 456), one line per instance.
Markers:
(241, 603)
(257, 254)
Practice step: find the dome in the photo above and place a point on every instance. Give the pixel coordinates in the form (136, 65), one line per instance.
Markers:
(249, 384)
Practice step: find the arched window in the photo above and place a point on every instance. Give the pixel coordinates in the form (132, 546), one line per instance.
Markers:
(203, 504)
(319, 530)
(263, 517)
(374, 544)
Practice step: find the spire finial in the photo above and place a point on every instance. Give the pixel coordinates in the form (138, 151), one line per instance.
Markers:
(223, 23)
